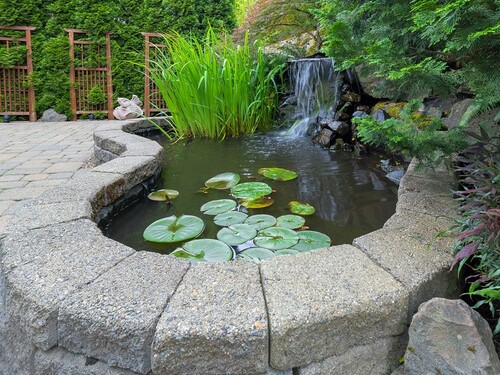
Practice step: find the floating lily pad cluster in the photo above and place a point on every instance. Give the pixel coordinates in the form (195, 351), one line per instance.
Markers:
(254, 237)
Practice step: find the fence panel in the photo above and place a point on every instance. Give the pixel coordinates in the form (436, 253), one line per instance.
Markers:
(153, 100)
(17, 94)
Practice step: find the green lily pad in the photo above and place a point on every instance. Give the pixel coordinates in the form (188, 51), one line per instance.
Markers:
(290, 221)
(310, 240)
(205, 250)
(163, 195)
(276, 238)
(286, 252)
(174, 229)
(301, 208)
(230, 218)
(261, 221)
(257, 253)
(251, 190)
(223, 181)
(278, 174)
(236, 234)
(218, 206)
(260, 202)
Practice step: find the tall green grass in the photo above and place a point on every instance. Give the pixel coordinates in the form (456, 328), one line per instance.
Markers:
(214, 88)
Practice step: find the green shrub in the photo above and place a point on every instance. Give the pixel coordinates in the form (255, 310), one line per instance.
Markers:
(215, 89)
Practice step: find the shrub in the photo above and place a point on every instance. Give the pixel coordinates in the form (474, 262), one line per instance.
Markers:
(215, 89)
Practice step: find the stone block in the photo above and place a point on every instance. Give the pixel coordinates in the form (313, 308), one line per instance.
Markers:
(98, 188)
(377, 358)
(61, 362)
(134, 169)
(114, 317)
(152, 148)
(449, 337)
(103, 156)
(216, 323)
(434, 205)
(55, 262)
(420, 264)
(322, 303)
(116, 141)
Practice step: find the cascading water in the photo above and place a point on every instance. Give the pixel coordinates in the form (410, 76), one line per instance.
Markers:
(316, 86)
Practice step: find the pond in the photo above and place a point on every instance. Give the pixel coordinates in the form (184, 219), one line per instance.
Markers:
(351, 195)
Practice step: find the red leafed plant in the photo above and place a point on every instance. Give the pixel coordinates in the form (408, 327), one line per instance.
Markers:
(478, 243)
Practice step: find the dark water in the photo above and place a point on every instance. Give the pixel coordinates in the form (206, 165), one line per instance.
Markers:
(351, 196)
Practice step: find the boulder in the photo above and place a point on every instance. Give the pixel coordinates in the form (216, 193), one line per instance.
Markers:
(324, 137)
(449, 337)
(50, 115)
(350, 96)
(369, 82)
(456, 113)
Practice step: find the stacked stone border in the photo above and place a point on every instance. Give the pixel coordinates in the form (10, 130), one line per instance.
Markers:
(75, 302)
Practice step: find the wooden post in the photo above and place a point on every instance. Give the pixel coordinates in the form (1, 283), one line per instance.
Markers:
(109, 81)
(72, 78)
(29, 65)
(147, 102)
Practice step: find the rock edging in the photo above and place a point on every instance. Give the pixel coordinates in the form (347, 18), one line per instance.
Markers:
(74, 301)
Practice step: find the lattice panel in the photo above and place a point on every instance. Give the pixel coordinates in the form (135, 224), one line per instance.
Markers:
(85, 80)
(17, 96)
(153, 100)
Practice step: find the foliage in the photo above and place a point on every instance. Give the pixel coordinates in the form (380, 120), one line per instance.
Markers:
(15, 55)
(478, 242)
(126, 19)
(414, 134)
(421, 47)
(96, 96)
(213, 88)
(274, 21)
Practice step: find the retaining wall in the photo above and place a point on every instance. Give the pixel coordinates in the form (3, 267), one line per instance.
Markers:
(76, 302)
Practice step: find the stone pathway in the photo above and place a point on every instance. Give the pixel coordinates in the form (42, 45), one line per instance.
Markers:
(34, 157)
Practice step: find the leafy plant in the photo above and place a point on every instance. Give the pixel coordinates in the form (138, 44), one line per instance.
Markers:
(278, 174)
(213, 88)
(96, 96)
(174, 229)
(301, 208)
(478, 242)
(414, 134)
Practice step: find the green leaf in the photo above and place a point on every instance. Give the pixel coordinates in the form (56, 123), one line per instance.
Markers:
(257, 253)
(163, 195)
(174, 229)
(301, 208)
(251, 190)
(261, 221)
(230, 218)
(205, 249)
(260, 202)
(223, 181)
(218, 206)
(276, 238)
(237, 234)
(278, 174)
(290, 221)
(310, 240)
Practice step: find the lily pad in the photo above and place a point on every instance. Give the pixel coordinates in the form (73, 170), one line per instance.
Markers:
(230, 218)
(251, 190)
(260, 202)
(301, 208)
(223, 181)
(278, 174)
(218, 206)
(257, 253)
(163, 195)
(174, 229)
(286, 252)
(261, 221)
(290, 221)
(205, 249)
(236, 234)
(276, 238)
(310, 240)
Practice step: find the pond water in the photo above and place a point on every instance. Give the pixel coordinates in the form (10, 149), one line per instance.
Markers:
(351, 195)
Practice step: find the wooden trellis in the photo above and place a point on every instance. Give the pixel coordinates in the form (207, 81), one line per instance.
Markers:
(90, 73)
(17, 94)
(153, 100)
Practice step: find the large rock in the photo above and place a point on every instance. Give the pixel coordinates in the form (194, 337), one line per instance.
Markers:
(448, 337)
(456, 113)
(50, 115)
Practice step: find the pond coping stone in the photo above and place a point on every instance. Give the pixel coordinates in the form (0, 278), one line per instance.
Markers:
(59, 276)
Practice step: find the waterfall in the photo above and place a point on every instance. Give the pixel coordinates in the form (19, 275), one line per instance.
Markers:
(316, 86)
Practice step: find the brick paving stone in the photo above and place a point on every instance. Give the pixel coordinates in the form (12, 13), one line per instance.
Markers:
(36, 177)
(64, 167)
(11, 177)
(60, 176)
(12, 184)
